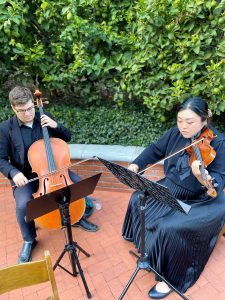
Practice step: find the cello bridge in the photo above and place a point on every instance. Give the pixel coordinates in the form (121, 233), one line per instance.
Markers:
(56, 184)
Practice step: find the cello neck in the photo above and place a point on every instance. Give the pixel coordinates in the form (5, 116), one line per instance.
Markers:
(48, 147)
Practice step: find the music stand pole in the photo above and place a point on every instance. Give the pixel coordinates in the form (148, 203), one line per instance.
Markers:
(142, 262)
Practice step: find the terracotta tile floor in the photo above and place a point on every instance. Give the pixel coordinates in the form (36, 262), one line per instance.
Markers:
(110, 265)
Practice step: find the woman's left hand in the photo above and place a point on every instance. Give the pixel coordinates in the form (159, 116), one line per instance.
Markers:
(46, 121)
(195, 167)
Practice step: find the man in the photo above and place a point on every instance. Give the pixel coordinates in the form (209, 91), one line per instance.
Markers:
(16, 136)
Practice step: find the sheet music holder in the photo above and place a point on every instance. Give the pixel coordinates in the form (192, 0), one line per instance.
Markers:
(140, 183)
(44, 204)
(146, 189)
(61, 199)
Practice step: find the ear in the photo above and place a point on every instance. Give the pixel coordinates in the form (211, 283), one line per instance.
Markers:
(13, 108)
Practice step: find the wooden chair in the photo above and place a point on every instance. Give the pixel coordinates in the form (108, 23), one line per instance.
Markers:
(27, 274)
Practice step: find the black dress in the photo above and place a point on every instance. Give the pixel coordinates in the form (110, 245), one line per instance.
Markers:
(179, 245)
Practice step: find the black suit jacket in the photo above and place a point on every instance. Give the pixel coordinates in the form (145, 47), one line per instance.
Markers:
(12, 147)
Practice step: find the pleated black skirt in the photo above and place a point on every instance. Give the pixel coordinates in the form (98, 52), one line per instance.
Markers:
(178, 245)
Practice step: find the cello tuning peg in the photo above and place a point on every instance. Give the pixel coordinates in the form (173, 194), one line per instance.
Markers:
(44, 102)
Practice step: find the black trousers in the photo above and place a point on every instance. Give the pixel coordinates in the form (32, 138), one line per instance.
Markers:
(24, 194)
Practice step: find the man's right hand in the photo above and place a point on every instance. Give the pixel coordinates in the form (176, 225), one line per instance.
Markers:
(19, 179)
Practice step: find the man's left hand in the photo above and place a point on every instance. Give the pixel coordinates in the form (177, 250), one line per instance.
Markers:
(46, 121)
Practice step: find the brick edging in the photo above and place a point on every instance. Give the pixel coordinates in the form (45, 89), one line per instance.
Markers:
(107, 180)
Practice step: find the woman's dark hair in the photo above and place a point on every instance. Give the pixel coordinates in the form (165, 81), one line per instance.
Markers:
(197, 105)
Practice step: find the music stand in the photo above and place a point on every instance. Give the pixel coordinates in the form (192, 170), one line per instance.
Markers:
(61, 199)
(157, 191)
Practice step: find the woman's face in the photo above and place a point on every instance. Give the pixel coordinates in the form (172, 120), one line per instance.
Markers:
(189, 123)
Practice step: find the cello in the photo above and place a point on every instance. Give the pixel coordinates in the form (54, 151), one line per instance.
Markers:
(49, 159)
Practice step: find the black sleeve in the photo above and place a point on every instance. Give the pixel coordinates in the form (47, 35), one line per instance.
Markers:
(5, 166)
(60, 131)
(154, 151)
(217, 167)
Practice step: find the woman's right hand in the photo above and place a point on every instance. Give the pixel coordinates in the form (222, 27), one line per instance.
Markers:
(133, 167)
(19, 179)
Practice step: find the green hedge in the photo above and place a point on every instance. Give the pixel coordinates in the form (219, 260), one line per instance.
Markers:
(107, 125)
(155, 52)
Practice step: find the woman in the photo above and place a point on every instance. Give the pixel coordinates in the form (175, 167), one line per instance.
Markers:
(178, 245)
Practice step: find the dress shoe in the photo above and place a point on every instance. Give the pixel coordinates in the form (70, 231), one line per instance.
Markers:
(25, 254)
(86, 225)
(154, 294)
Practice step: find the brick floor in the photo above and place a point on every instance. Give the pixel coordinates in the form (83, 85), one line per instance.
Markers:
(110, 265)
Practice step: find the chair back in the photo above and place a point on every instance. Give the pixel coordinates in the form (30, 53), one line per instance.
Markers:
(27, 274)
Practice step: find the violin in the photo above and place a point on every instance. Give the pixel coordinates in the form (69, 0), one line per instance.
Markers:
(50, 159)
(204, 153)
(201, 150)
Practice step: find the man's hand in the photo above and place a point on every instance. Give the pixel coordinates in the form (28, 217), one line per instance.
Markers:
(20, 180)
(46, 121)
(133, 167)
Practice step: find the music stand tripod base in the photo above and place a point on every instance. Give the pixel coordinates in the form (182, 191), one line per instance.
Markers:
(71, 248)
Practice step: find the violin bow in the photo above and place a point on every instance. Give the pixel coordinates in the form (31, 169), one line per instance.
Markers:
(171, 155)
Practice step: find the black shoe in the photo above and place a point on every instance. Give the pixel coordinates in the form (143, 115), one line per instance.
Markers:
(154, 294)
(86, 225)
(25, 254)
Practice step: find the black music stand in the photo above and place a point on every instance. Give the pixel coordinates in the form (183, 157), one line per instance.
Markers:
(146, 188)
(61, 199)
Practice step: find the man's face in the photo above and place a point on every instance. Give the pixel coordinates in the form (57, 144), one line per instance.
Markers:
(25, 112)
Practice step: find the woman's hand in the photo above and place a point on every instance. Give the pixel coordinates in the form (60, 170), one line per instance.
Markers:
(133, 167)
(207, 182)
(19, 179)
(47, 121)
(195, 167)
